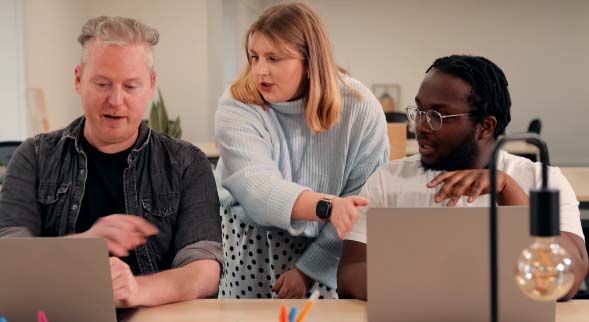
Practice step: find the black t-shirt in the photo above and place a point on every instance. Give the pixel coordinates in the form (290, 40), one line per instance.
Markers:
(104, 193)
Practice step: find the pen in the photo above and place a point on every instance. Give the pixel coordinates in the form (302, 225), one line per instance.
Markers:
(41, 317)
(292, 316)
(308, 306)
(283, 317)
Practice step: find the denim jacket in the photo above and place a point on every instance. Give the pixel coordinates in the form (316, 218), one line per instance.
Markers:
(168, 182)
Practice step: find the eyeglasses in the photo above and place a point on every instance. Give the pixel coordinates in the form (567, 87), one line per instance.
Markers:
(433, 117)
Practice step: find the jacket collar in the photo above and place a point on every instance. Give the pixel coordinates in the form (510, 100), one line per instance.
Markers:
(75, 130)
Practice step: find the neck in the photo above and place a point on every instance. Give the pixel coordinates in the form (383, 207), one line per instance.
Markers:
(109, 147)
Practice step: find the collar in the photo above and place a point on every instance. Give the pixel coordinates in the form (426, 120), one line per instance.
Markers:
(75, 130)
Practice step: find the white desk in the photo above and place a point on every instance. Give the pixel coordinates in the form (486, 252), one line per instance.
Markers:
(267, 311)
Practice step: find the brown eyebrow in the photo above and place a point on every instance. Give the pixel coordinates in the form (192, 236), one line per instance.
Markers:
(102, 77)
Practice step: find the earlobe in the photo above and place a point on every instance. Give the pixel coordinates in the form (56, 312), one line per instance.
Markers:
(77, 77)
(487, 128)
(153, 79)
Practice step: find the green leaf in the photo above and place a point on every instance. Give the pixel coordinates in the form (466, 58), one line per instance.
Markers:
(159, 120)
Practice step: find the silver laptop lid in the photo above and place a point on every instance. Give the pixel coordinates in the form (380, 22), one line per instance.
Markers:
(69, 279)
(432, 264)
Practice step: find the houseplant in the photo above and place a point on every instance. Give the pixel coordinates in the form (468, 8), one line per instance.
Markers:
(159, 121)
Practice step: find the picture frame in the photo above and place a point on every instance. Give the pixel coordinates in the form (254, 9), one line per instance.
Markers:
(389, 96)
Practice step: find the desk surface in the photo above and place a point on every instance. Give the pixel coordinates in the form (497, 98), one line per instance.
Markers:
(267, 311)
(251, 311)
(579, 179)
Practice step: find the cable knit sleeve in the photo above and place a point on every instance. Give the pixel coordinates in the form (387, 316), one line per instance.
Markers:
(251, 174)
(320, 260)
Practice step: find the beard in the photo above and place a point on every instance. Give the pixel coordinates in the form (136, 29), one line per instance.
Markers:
(463, 157)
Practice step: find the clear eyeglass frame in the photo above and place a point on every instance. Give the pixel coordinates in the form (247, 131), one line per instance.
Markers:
(434, 118)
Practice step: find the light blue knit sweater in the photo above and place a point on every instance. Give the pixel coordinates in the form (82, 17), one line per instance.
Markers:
(269, 157)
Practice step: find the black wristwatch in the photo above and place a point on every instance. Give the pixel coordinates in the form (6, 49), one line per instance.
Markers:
(323, 209)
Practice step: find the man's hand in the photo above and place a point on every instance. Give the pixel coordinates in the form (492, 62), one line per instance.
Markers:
(474, 183)
(344, 213)
(124, 285)
(122, 232)
(292, 284)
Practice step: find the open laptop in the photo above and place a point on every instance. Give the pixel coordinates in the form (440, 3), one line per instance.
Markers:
(432, 264)
(68, 279)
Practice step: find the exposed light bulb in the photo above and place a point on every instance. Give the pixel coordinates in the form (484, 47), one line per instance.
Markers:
(544, 270)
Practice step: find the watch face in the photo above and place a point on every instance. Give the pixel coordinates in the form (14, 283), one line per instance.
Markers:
(323, 209)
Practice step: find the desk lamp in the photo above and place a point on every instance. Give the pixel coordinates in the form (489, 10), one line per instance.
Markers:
(544, 269)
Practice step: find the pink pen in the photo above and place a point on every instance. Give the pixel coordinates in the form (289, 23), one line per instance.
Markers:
(41, 317)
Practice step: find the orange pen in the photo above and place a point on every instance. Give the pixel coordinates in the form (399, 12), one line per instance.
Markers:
(283, 317)
(308, 306)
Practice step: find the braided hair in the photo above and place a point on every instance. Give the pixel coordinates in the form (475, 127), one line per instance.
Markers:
(488, 95)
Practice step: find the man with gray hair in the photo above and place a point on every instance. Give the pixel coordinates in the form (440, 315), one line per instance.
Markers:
(107, 175)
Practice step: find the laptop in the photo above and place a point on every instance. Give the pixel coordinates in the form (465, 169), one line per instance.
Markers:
(432, 264)
(68, 279)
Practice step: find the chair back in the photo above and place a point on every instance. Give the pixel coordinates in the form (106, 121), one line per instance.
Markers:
(7, 148)
(535, 126)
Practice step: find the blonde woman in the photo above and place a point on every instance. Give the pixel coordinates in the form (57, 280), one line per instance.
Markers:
(298, 139)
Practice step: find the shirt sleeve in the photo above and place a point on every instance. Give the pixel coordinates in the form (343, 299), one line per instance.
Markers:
(197, 251)
(198, 215)
(570, 216)
(20, 213)
(251, 175)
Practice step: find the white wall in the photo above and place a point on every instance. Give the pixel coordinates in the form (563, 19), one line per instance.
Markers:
(541, 45)
(238, 15)
(12, 89)
(181, 56)
(51, 29)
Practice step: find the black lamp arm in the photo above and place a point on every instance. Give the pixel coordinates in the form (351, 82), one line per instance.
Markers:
(535, 140)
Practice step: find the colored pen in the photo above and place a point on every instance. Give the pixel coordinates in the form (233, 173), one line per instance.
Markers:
(308, 306)
(2, 319)
(283, 317)
(41, 317)
(293, 314)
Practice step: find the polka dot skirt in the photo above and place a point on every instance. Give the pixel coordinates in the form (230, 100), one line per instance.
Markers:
(255, 257)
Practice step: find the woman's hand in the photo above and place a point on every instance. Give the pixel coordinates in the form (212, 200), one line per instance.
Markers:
(344, 213)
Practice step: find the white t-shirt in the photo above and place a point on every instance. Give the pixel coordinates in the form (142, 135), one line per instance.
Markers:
(402, 184)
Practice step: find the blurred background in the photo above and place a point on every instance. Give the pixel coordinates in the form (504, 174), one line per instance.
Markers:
(541, 45)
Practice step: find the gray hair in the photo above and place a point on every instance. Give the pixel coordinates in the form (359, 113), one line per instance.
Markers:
(117, 31)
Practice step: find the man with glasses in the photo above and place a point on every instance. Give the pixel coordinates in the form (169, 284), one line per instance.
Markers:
(462, 107)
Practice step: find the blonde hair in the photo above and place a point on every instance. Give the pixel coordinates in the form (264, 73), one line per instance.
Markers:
(298, 25)
(117, 31)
